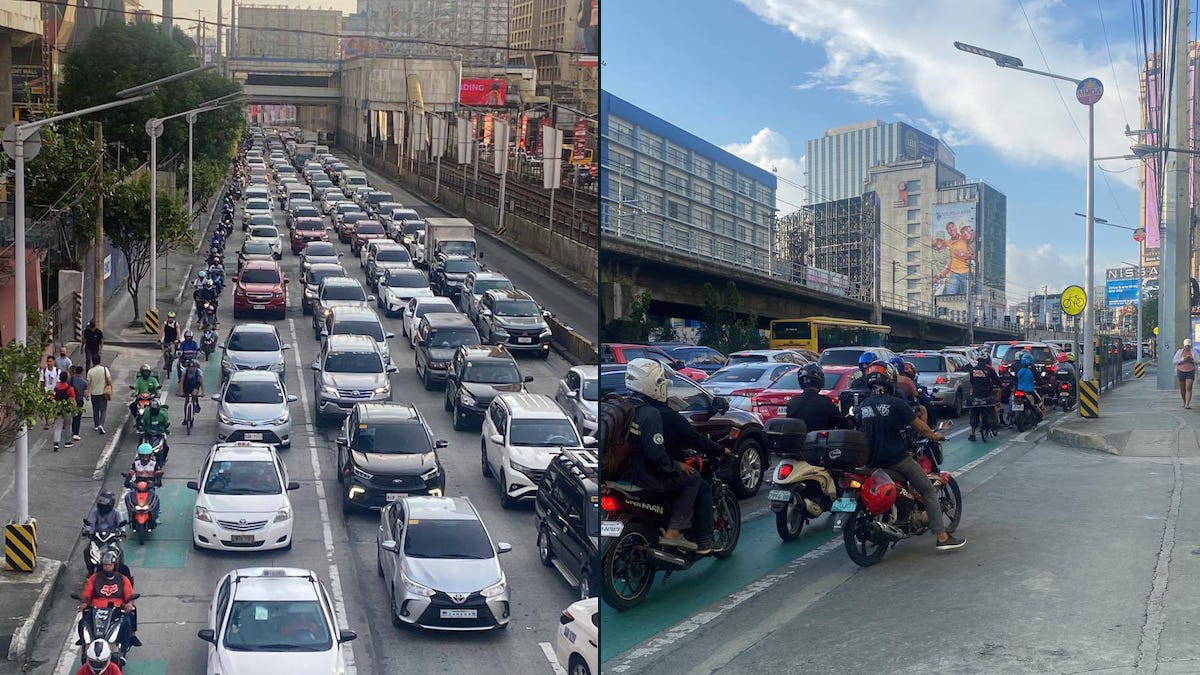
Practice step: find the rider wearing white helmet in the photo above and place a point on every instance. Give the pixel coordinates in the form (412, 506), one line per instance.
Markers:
(97, 659)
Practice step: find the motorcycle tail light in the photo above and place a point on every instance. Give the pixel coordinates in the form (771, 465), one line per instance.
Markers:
(785, 470)
(1053, 367)
(852, 483)
(610, 504)
(1065, 386)
(941, 380)
(1019, 394)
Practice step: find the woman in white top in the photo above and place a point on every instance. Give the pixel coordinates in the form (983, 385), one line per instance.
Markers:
(49, 381)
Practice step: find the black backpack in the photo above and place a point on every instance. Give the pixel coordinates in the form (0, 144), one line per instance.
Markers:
(616, 446)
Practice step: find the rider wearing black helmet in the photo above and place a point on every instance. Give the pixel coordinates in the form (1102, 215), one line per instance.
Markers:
(985, 385)
(817, 410)
(103, 517)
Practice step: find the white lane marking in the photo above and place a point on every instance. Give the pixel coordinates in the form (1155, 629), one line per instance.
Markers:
(70, 655)
(548, 650)
(109, 449)
(335, 578)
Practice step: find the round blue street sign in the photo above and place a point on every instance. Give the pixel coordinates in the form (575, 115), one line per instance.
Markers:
(1089, 91)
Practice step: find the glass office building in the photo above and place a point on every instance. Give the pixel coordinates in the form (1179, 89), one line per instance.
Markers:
(838, 164)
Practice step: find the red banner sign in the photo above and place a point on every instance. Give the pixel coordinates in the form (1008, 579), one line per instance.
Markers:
(484, 92)
(524, 130)
(579, 151)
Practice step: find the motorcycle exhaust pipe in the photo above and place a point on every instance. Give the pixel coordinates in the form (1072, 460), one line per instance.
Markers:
(668, 559)
(886, 531)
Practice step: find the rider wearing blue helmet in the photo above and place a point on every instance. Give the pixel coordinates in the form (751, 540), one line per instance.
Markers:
(1026, 379)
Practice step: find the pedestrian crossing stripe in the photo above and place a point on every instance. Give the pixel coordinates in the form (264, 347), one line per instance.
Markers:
(151, 321)
(1139, 370)
(20, 546)
(1089, 398)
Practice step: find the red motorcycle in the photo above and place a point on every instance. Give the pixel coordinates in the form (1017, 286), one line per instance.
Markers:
(141, 502)
(885, 509)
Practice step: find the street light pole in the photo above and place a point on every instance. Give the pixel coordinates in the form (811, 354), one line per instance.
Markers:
(1141, 280)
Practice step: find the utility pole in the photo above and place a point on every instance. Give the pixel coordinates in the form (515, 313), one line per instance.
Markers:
(168, 16)
(100, 246)
(220, 54)
(1173, 310)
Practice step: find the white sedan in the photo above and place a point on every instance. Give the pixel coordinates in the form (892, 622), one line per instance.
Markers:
(578, 638)
(399, 286)
(242, 499)
(268, 234)
(419, 307)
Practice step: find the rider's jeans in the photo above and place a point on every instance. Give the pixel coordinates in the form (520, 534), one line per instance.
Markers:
(920, 481)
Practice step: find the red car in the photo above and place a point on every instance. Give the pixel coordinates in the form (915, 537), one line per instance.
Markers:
(618, 352)
(365, 230)
(306, 230)
(772, 401)
(260, 286)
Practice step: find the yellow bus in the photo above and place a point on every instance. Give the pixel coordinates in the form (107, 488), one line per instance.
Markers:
(816, 333)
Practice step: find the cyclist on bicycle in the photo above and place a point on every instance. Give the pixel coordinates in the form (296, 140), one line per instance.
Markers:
(188, 349)
(170, 329)
(192, 383)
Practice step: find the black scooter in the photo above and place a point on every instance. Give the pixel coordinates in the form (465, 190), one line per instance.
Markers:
(104, 623)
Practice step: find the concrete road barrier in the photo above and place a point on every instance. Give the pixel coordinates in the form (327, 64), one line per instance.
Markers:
(576, 347)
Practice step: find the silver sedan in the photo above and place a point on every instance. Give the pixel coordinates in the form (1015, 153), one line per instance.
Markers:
(253, 406)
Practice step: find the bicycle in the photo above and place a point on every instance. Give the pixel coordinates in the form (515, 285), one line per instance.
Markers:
(168, 359)
(189, 412)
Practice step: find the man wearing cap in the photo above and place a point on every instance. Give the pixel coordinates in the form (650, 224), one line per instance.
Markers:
(1185, 370)
(93, 342)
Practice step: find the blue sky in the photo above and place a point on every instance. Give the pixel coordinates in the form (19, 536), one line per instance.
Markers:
(760, 77)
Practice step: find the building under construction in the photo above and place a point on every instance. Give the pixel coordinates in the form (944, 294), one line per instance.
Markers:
(280, 32)
(840, 236)
(473, 31)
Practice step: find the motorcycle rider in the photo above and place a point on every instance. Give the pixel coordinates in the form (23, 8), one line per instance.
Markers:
(864, 360)
(657, 467)
(207, 293)
(105, 586)
(144, 383)
(98, 660)
(1067, 371)
(985, 384)
(1026, 381)
(145, 467)
(156, 423)
(192, 381)
(199, 280)
(883, 418)
(103, 517)
(818, 412)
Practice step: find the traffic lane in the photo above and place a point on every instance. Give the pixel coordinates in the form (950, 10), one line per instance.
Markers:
(538, 593)
(567, 302)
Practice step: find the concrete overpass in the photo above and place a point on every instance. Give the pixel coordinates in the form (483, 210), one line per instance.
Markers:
(676, 279)
(312, 85)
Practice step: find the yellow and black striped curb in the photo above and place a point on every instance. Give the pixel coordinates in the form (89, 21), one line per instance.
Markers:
(1139, 370)
(20, 546)
(151, 321)
(1089, 398)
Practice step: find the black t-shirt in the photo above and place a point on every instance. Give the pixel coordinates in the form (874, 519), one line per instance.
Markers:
(818, 412)
(170, 332)
(984, 381)
(883, 418)
(661, 435)
(92, 338)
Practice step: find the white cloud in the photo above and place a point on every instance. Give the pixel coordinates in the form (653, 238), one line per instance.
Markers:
(1027, 270)
(768, 149)
(876, 50)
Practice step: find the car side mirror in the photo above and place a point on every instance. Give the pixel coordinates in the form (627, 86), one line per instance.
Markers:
(340, 254)
(485, 311)
(193, 485)
(503, 547)
(720, 405)
(293, 485)
(236, 278)
(285, 347)
(528, 378)
(678, 365)
(324, 332)
(207, 634)
(496, 438)
(342, 440)
(346, 635)
(589, 441)
(215, 397)
(389, 545)
(315, 366)
(370, 298)
(440, 443)
(391, 368)
(546, 314)
(389, 336)
(292, 398)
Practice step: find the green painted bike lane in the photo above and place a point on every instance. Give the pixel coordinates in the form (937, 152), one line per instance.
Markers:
(759, 553)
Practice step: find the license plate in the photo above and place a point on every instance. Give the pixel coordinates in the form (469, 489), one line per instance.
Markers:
(525, 341)
(395, 496)
(1018, 406)
(252, 437)
(258, 306)
(458, 613)
(779, 496)
(845, 505)
(611, 528)
(781, 410)
(242, 539)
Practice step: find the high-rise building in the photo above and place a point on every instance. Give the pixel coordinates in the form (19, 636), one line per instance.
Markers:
(838, 163)
(551, 36)
(473, 31)
(287, 33)
(666, 186)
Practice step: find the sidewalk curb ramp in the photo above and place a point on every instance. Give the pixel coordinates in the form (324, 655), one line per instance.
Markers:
(1090, 441)
(46, 574)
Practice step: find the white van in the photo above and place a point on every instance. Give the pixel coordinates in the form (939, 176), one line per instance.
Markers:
(351, 181)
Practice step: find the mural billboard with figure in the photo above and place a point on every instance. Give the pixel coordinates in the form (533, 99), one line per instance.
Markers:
(954, 247)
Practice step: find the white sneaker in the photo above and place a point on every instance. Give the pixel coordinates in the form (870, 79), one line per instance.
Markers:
(75, 437)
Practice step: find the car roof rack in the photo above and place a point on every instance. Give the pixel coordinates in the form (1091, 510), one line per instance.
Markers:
(584, 462)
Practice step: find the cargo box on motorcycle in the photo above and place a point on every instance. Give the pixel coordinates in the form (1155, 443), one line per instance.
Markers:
(843, 449)
(785, 436)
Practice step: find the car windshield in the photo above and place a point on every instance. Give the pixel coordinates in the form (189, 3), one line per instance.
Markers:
(791, 381)
(1040, 354)
(277, 626)
(369, 327)
(315, 275)
(308, 224)
(257, 477)
(516, 308)
(370, 228)
(543, 433)
(258, 205)
(254, 392)
(320, 248)
(591, 390)
(393, 255)
(446, 338)
(492, 371)
(735, 359)
(264, 231)
(484, 285)
(347, 207)
(379, 197)
(353, 362)
(344, 292)
(262, 219)
(745, 374)
(406, 279)
(926, 364)
(260, 276)
(394, 438)
(434, 307)
(253, 341)
(461, 266)
(840, 357)
(425, 538)
(306, 212)
(256, 248)
(457, 247)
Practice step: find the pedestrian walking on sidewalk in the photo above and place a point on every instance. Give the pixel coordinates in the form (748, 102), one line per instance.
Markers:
(1185, 370)
(80, 384)
(49, 381)
(63, 362)
(100, 387)
(64, 399)
(93, 342)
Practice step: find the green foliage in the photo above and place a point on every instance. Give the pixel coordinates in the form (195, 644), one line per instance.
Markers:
(207, 177)
(1149, 315)
(117, 56)
(25, 400)
(127, 225)
(634, 328)
(723, 330)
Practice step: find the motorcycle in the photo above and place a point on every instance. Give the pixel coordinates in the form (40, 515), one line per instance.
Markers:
(1066, 392)
(101, 541)
(631, 527)
(158, 443)
(208, 316)
(881, 522)
(1024, 411)
(980, 409)
(141, 502)
(801, 490)
(104, 623)
(138, 406)
(184, 360)
(208, 343)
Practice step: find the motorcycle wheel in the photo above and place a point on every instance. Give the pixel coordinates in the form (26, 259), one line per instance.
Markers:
(950, 498)
(141, 535)
(790, 521)
(627, 573)
(1022, 425)
(727, 521)
(862, 551)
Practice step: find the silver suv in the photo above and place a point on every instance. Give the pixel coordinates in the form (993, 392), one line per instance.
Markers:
(476, 284)
(337, 292)
(253, 346)
(349, 370)
(947, 376)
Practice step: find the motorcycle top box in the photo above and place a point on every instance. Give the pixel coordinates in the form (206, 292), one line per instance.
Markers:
(843, 449)
(785, 436)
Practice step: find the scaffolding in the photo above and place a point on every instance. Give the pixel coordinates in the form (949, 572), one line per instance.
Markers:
(473, 31)
(845, 240)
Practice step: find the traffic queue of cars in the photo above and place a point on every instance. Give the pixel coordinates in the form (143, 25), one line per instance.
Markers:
(466, 326)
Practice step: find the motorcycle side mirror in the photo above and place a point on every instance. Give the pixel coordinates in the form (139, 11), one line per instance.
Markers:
(74, 596)
(193, 485)
(207, 634)
(86, 521)
(135, 596)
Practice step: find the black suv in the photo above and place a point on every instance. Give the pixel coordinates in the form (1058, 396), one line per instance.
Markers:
(512, 318)
(568, 518)
(385, 451)
(439, 335)
(475, 377)
(446, 276)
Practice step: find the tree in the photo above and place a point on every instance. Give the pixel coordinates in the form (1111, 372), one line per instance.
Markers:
(127, 224)
(722, 329)
(1149, 315)
(634, 328)
(25, 400)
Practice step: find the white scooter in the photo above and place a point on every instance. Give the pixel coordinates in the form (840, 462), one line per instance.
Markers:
(800, 491)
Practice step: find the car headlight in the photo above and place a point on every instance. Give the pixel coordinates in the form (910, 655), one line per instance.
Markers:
(465, 398)
(414, 588)
(545, 334)
(431, 474)
(359, 473)
(283, 514)
(281, 419)
(224, 419)
(521, 467)
(202, 514)
(381, 390)
(495, 589)
(332, 391)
